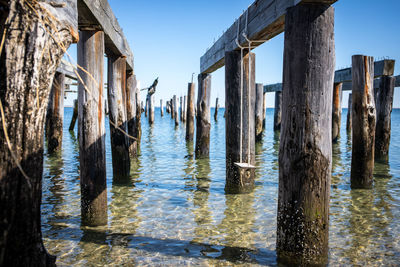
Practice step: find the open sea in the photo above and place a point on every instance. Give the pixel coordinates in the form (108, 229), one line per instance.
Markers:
(174, 211)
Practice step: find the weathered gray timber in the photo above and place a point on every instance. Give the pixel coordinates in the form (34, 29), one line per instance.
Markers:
(349, 117)
(146, 107)
(305, 153)
(139, 104)
(239, 122)
(161, 108)
(266, 19)
(397, 84)
(384, 68)
(216, 109)
(117, 117)
(336, 111)
(151, 109)
(259, 115)
(364, 120)
(175, 101)
(172, 108)
(203, 121)
(55, 114)
(131, 109)
(106, 107)
(74, 116)
(97, 14)
(25, 87)
(91, 128)
(190, 113)
(184, 109)
(278, 111)
(264, 109)
(67, 69)
(384, 105)
(181, 108)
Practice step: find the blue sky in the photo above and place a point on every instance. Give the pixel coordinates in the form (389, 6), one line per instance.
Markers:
(169, 37)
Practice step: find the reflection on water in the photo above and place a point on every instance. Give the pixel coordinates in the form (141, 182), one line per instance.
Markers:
(173, 209)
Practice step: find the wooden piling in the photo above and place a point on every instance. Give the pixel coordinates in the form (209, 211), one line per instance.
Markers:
(190, 113)
(181, 108)
(151, 109)
(161, 109)
(146, 107)
(240, 140)
(305, 154)
(176, 115)
(116, 103)
(278, 111)
(264, 109)
(259, 114)
(91, 129)
(139, 105)
(184, 109)
(203, 122)
(364, 120)
(216, 109)
(384, 105)
(349, 117)
(172, 108)
(131, 109)
(336, 111)
(105, 107)
(74, 116)
(55, 114)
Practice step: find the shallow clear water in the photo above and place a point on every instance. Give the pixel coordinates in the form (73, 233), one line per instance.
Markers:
(174, 210)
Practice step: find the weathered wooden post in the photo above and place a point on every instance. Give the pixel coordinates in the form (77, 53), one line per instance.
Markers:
(161, 108)
(305, 154)
(151, 108)
(172, 108)
(203, 122)
(116, 103)
(184, 109)
(264, 109)
(131, 109)
(278, 111)
(181, 108)
(146, 107)
(176, 115)
(384, 105)
(364, 120)
(190, 113)
(259, 114)
(139, 105)
(336, 111)
(91, 129)
(240, 121)
(25, 87)
(74, 116)
(55, 114)
(349, 108)
(105, 107)
(216, 109)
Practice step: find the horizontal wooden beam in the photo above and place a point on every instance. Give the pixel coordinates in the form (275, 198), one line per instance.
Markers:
(265, 20)
(382, 68)
(98, 15)
(66, 69)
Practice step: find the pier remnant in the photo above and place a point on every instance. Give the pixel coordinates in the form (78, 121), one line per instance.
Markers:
(91, 128)
(336, 111)
(139, 104)
(176, 111)
(74, 116)
(203, 121)
(349, 117)
(131, 109)
(117, 116)
(151, 108)
(364, 122)
(161, 109)
(26, 76)
(384, 105)
(181, 108)
(259, 114)
(216, 109)
(55, 114)
(278, 111)
(184, 109)
(240, 121)
(305, 154)
(190, 113)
